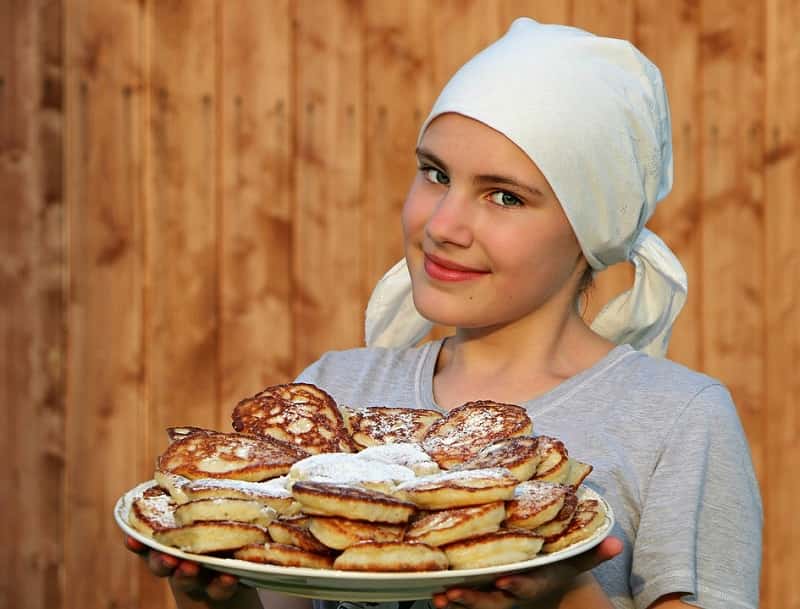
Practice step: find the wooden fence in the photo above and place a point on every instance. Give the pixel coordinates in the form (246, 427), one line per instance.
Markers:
(197, 196)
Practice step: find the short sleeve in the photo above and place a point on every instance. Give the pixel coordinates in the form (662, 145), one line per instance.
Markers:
(701, 520)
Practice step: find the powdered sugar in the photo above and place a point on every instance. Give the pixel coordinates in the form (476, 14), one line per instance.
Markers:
(347, 468)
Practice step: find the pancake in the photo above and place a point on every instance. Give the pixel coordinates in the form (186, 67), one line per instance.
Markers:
(228, 455)
(341, 533)
(378, 425)
(499, 548)
(173, 484)
(459, 488)
(578, 471)
(535, 503)
(559, 524)
(300, 414)
(295, 535)
(284, 555)
(589, 516)
(207, 537)
(467, 429)
(390, 556)
(519, 455)
(272, 493)
(554, 460)
(351, 502)
(153, 511)
(447, 526)
(235, 510)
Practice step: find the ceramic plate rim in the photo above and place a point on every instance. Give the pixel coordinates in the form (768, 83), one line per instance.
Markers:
(304, 574)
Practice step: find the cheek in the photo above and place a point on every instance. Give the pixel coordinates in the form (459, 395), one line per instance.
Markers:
(415, 214)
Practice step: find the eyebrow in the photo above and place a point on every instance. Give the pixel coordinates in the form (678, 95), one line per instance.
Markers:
(424, 155)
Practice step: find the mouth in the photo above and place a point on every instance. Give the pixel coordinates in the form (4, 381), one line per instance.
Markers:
(447, 270)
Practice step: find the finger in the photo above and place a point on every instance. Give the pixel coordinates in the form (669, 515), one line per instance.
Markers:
(479, 599)
(222, 587)
(134, 545)
(187, 577)
(161, 564)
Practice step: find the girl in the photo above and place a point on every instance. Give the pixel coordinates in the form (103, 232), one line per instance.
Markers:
(539, 165)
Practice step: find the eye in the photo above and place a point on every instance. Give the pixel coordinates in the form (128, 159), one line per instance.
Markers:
(434, 175)
(505, 199)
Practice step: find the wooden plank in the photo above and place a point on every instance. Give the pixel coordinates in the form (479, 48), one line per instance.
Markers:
(782, 305)
(255, 232)
(105, 427)
(32, 328)
(461, 28)
(327, 286)
(543, 11)
(733, 208)
(181, 264)
(399, 96)
(614, 18)
(669, 35)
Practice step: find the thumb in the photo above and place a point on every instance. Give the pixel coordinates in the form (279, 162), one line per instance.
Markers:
(605, 550)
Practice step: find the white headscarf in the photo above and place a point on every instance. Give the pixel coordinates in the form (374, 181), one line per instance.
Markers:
(592, 114)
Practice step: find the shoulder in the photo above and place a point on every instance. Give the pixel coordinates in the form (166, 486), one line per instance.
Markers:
(666, 382)
(349, 361)
(371, 375)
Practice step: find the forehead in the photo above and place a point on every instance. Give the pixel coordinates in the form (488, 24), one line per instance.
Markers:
(471, 146)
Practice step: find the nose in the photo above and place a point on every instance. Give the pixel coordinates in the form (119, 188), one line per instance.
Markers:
(451, 220)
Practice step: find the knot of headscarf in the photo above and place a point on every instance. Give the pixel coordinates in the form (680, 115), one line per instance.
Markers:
(592, 114)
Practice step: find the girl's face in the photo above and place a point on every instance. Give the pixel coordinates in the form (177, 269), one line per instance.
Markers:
(486, 240)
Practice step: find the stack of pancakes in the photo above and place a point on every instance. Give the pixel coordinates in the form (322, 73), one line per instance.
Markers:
(306, 482)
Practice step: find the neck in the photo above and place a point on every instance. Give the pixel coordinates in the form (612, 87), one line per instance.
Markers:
(516, 361)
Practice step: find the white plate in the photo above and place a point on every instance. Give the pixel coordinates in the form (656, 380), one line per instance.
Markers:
(358, 585)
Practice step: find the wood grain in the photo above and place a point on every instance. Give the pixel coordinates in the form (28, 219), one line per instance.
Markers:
(781, 339)
(32, 304)
(181, 206)
(199, 196)
(254, 244)
(670, 36)
(327, 222)
(398, 51)
(733, 208)
(105, 434)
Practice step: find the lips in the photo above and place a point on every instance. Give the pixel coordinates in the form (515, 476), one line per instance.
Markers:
(447, 270)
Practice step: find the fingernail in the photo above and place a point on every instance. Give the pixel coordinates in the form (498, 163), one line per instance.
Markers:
(169, 561)
(454, 595)
(189, 569)
(503, 583)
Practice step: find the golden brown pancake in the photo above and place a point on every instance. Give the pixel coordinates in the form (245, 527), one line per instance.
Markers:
(153, 511)
(559, 524)
(554, 460)
(341, 533)
(284, 555)
(206, 537)
(518, 455)
(578, 471)
(234, 510)
(295, 535)
(322, 498)
(447, 526)
(390, 556)
(589, 516)
(378, 425)
(300, 414)
(467, 429)
(535, 503)
(272, 493)
(499, 548)
(229, 455)
(459, 488)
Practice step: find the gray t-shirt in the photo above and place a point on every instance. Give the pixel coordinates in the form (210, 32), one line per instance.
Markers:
(668, 451)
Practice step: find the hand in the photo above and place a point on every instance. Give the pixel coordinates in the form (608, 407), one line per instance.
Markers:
(187, 577)
(517, 590)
